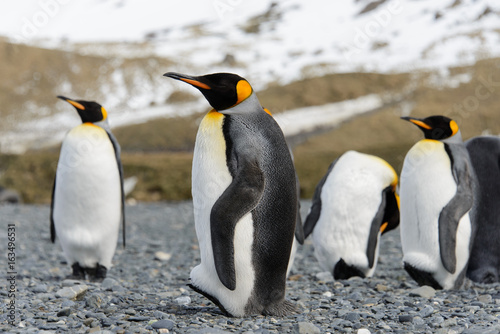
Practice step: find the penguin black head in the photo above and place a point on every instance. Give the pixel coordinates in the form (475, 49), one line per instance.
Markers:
(89, 111)
(435, 127)
(222, 90)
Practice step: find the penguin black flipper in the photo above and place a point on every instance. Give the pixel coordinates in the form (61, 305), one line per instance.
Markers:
(375, 229)
(386, 219)
(315, 211)
(391, 212)
(299, 228)
(459, 205)
(239, 198)
(117, 149)
(52, 226)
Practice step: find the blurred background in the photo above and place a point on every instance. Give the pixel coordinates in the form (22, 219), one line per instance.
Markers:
(337, 75)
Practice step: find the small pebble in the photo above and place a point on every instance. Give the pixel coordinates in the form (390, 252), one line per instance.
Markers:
(423, 291)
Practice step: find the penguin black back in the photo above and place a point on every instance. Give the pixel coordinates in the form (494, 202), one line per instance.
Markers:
(484, 261)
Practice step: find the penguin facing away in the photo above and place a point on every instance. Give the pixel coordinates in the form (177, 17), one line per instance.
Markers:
(353, 204)
(244, 198)
(88, 198)
(484, 260)
(436, 192)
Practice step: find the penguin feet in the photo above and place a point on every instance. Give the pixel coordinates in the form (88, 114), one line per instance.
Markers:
(422, 277)
(211, 298)
(485, 275)
(101, 272)
(344, 271)
(281, 309)
(97, 274)
(78, 272)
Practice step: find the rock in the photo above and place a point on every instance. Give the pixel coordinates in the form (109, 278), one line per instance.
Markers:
(381, 287)
(64, 312)
(168, 324)
(405, 318)
(352, 317)
(73, 292)
(324, 276)
(210, 331)
(363, 331)
(138, 318)
(449, 322)
(418, 321)
(162, 256)
(70, 282)
(95, 300)
(306, 328)
(426, 311)
(485, 299)
(39, 288)
(423, 291)
(184, 300)
(108, 283)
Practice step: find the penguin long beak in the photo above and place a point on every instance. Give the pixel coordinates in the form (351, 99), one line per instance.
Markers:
(418, 122)
(72, 102)
(193, 81)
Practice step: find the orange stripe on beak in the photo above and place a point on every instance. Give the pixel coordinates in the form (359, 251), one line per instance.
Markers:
(421, 124)
(76, 105)
(195, 83)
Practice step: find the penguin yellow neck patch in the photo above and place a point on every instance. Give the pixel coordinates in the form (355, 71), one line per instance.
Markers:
(243, 90)
(267, 110)
(91, 124)
(383, 227)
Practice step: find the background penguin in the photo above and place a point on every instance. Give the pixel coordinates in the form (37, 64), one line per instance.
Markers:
(484, 260)
(436, 190)
(245, 200)
(353, 204)
(88, 198)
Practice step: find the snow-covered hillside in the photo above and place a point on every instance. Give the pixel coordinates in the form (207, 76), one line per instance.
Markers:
(268, 42)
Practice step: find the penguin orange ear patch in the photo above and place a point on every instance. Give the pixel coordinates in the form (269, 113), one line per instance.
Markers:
(104, 113)
(453, 127)
(243, 89)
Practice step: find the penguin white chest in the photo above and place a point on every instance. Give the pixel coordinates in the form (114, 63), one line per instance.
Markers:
(427, 185)
(87, 196)
(210, 178)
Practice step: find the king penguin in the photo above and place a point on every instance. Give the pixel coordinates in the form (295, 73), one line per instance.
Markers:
(88, 198)
(484, 261)
(244, 198)
(436, 189)
(353, 204)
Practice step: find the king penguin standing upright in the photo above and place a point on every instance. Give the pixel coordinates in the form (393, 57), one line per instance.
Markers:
(88, 197)
(436, 194)
(245, 200)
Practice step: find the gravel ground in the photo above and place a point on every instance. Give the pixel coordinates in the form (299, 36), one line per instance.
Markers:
(146, 292)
